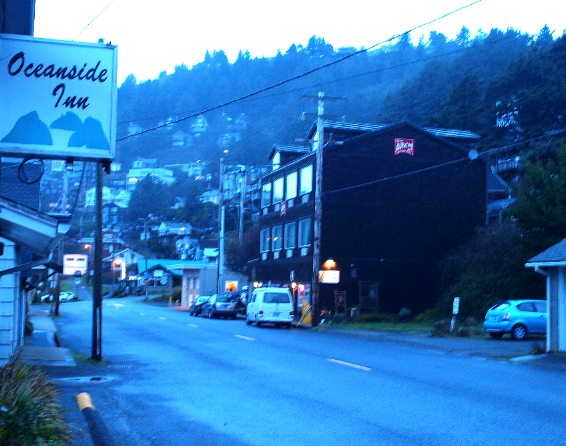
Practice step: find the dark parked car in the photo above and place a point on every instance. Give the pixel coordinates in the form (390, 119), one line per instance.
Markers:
(220, 305)
(240, 299)
(517, 317)
(196, 307)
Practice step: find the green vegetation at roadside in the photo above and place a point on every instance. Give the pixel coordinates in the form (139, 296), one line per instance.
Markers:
(30, 412)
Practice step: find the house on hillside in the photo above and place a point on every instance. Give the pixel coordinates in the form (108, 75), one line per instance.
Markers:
(396, 199)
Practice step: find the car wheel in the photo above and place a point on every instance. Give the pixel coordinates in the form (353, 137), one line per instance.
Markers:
(519, 332)
(496, 335)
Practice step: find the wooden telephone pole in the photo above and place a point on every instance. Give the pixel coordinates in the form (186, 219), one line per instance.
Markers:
(317, 230)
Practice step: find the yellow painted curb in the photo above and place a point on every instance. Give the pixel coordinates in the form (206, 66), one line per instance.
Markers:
(84, 401)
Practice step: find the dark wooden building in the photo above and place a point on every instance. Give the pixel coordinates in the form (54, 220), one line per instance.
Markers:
(396, 200)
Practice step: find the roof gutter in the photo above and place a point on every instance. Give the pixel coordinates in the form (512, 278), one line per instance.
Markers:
(27, 265)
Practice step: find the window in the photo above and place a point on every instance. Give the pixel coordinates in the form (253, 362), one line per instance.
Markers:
(291, 186)
(277, 238)
(264, 240)
(306, 180)
(290, 235)
(278, 191)
(266, 195)
(305, 232)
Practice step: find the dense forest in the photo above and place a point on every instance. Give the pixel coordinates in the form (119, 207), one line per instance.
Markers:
(504, 85)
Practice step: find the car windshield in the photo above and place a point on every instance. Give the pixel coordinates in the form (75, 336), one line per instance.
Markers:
(276, 298)
(202, 299)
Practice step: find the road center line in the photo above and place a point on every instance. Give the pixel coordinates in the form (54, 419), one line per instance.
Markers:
(245, 338)
(349, 364)
(192, 325)
(162, 318)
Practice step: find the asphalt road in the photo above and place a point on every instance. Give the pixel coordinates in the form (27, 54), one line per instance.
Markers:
(172, 379)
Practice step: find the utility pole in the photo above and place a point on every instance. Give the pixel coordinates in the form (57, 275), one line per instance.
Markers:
(220, 227)
(242, 196)
(96, 353)
(317, 230)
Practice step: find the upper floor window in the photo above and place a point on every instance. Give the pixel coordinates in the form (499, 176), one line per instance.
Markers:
(305, 232)
(277, 238)
(264, 240)
(290, 235)
(276, 160)
(291, 186)
(306, 180)
(266, 195)
(278, 191)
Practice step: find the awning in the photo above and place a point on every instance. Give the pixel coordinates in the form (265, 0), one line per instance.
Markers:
(27, 227)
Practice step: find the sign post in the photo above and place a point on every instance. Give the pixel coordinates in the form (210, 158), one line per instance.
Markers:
(455, 311)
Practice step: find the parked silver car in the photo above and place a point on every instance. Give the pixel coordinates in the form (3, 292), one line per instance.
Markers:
(517, 317)
(220, 305)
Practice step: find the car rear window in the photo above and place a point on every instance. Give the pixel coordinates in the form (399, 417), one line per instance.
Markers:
(276, 298)
(225, 298)
(500, 306)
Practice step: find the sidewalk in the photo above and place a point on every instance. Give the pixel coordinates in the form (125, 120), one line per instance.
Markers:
(42, 347)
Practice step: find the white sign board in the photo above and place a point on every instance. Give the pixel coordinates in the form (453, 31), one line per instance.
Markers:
(57, 98)
(456, 305)
(331, 276)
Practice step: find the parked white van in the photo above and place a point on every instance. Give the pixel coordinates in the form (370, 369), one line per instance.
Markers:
(270, 305)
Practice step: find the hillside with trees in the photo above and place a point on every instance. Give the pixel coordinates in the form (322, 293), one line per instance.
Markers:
(465, 83)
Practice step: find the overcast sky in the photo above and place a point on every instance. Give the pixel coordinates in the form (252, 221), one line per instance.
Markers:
(155, 36)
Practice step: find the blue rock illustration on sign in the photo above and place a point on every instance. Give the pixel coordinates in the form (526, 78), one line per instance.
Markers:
(29, 129)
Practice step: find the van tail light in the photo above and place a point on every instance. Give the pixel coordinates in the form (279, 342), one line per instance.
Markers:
(260, 311)
(506, 316)
(291, 313)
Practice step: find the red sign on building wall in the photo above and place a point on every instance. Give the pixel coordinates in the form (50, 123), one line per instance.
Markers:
(403, 145)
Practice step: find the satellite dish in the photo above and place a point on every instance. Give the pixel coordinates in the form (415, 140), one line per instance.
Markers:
(473, 154)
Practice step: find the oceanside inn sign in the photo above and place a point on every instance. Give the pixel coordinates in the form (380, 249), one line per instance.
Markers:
(57, 99)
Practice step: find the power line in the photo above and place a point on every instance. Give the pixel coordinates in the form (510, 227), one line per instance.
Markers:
(88, 24)
(299, 76)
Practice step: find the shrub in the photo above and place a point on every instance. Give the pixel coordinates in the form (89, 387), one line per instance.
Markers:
(28, 329)
(31, 414)
(176, 293)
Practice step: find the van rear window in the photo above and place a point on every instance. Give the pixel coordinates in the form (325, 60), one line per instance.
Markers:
(276, 298)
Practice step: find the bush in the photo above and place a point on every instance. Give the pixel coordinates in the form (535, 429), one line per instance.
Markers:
(31, 414)
(28, 329)
(176, 293)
